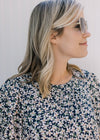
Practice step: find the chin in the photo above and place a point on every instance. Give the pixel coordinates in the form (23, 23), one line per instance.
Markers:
(85, 54)
(82, 55)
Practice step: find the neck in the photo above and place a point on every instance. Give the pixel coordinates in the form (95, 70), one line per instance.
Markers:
(60, 75)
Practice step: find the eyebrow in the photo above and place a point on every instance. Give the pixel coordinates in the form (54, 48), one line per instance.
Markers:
(77, 21)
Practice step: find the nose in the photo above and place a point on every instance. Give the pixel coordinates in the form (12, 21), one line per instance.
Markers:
(87, 34)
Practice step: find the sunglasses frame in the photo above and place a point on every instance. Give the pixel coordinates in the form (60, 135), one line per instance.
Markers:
(83, 22)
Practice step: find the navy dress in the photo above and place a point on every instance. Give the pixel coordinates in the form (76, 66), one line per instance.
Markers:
(70, 112)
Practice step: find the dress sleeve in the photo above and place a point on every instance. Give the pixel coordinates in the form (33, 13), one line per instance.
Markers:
(10, 111)
(95, 94)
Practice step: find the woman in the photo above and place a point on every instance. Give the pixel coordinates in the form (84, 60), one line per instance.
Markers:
(50, 99)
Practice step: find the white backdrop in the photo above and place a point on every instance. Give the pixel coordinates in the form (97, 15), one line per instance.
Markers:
(14, 21)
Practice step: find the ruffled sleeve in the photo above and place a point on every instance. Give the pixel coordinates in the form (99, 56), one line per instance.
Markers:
(10, 111)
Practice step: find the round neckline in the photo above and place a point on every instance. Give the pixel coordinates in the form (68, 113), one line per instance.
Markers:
(67, 83)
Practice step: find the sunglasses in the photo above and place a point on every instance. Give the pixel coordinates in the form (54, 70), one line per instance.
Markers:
(82, 25)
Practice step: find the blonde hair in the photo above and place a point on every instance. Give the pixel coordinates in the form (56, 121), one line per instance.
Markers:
(47, 17)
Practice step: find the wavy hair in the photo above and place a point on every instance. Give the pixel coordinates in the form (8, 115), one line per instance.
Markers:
(47, 17)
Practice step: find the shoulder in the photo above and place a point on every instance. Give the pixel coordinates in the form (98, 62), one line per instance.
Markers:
(85, 74)
(13, 91)
(91, 77)
(14, 84)
(88, 78)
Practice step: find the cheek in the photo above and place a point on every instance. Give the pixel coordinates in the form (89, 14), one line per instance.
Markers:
(69, 45)
(67, 48)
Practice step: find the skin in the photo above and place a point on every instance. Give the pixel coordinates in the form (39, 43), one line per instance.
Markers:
(65, 47)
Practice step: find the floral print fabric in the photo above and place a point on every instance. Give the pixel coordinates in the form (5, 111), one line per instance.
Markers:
(71, 112)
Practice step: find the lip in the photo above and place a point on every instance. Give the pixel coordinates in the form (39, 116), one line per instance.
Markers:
(85, 43)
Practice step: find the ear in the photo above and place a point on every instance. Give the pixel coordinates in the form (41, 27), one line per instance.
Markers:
(53, 38)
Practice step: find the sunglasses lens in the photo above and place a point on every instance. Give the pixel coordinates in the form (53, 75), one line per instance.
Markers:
(83, 25)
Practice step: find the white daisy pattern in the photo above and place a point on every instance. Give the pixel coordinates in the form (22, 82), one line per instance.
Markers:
(71, 112)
